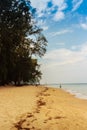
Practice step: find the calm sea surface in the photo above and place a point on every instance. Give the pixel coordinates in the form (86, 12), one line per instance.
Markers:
(78, 89)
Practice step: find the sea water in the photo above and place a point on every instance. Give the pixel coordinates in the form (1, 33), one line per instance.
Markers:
(78, 89)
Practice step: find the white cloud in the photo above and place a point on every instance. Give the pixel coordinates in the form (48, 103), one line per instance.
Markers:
(40, 5)
(61, 32)
(60, 3)
(42, 24)
(59, 16)
(62, 57)
(61, 6)
(66, 56)
(76, 4)
(42, 9)
(65, 65)
(45, 28)
(83, 25)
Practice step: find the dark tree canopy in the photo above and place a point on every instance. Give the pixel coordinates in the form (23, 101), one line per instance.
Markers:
(20, 41)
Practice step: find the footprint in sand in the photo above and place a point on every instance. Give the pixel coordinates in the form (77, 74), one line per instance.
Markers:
(48, 119)
(29, 115)
(25, 124)
(40, 103)
(58, 117)
(26, 121)
(52, 118)
(18, 125)
(45, 89)
(46, 94)
(37, 110)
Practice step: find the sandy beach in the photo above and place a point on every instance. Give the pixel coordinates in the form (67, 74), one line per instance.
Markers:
(41, 108)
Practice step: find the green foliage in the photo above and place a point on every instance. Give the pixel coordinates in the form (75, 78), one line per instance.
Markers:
(20, 40)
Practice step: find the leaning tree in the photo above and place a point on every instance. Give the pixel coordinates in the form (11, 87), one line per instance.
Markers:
(20, 42)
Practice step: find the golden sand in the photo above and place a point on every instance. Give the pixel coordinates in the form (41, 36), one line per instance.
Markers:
(41, 108)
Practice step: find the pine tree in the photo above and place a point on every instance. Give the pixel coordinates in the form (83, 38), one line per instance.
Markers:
(17, 45)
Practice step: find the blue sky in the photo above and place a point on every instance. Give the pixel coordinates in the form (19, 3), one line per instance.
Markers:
(65, 26)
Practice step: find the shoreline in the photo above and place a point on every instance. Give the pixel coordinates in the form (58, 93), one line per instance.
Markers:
(71, 92)
(41, 108)
(78, 94)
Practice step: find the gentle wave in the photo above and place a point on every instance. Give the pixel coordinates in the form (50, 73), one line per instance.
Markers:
(79, 90)
(78, 95)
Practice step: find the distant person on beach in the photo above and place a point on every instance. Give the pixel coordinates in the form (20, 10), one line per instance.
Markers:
(60, 86)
